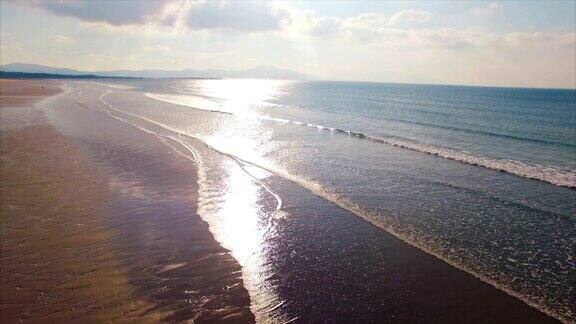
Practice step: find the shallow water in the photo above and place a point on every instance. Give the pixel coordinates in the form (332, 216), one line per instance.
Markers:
(509, 230)
(173, 259)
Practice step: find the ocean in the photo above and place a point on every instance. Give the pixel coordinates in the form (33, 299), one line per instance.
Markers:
(481, 178)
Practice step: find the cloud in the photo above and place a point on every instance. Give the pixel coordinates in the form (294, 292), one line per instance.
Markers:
(232, 34)
(377, 30)
(243, 16)
(326, 27)
(411, 16)
(367, 20)
(247, 16)
(368, 26)
(447, 38)
(523, 39)
(487, 10)
(62, 39)
(120, 12)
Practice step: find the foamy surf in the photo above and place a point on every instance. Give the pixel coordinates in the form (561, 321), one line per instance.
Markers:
(549, 174)
(252, 280)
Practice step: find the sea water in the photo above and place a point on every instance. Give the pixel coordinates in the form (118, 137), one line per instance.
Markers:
(483, 178)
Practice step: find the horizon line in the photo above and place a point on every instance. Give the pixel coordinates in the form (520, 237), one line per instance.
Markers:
(315, 78)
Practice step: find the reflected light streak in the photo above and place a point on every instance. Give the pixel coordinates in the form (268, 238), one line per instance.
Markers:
(240, 216)
(240, 219)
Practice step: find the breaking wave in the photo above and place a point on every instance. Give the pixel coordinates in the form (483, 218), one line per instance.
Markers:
(556, 176)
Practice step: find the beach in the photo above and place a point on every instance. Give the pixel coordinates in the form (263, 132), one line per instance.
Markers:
(60, 257)
(108, 216)
(278, 162)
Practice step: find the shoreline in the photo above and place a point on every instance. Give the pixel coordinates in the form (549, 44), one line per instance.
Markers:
(150, 181)
(26, 93)
(62, 258)
(555, 176)
(520, 304)
(370, 217)
(53, 265)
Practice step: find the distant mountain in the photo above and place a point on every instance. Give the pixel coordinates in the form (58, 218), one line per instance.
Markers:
(28, 75)
(35, 68)
(260, 72)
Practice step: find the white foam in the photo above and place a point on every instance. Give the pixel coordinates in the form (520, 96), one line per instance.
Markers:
(114, 86)
(553, 175)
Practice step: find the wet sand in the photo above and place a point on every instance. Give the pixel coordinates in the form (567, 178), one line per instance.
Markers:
(24, 93)
(57, 260)
(69, 254)
(356, 271)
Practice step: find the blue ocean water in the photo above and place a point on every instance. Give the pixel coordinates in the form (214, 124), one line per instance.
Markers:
(483, 178)
(527, 132)
(529, 125)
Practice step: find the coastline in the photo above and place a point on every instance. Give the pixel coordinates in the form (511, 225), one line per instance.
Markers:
(144, 197)
(532, 297)
(61, 258)
(55, 254)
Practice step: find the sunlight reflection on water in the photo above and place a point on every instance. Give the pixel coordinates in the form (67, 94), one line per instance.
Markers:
(239, 211)
(240, 96)
(238, 207)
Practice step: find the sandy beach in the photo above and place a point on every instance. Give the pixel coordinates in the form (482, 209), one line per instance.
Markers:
(24, 93)
(60, 260)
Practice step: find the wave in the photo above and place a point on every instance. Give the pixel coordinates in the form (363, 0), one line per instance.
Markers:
(113, 86)
(438, 251)
(555, 176)
(552, 175)
(482, 132)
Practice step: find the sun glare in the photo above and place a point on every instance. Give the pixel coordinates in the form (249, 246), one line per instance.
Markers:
(241, 97)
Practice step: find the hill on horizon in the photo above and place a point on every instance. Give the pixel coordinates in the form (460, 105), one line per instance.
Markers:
(260, 72)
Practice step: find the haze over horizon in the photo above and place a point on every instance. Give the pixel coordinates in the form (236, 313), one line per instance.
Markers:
(488, 43)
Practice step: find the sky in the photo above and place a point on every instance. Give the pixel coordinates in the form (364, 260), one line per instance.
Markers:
(504, 43)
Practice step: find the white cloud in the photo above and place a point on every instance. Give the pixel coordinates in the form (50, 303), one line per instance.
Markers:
(379, 30)
(62, 39)
(367, 20)
(326, 27)
(410, 16)
(487, 10)
(367, 26)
